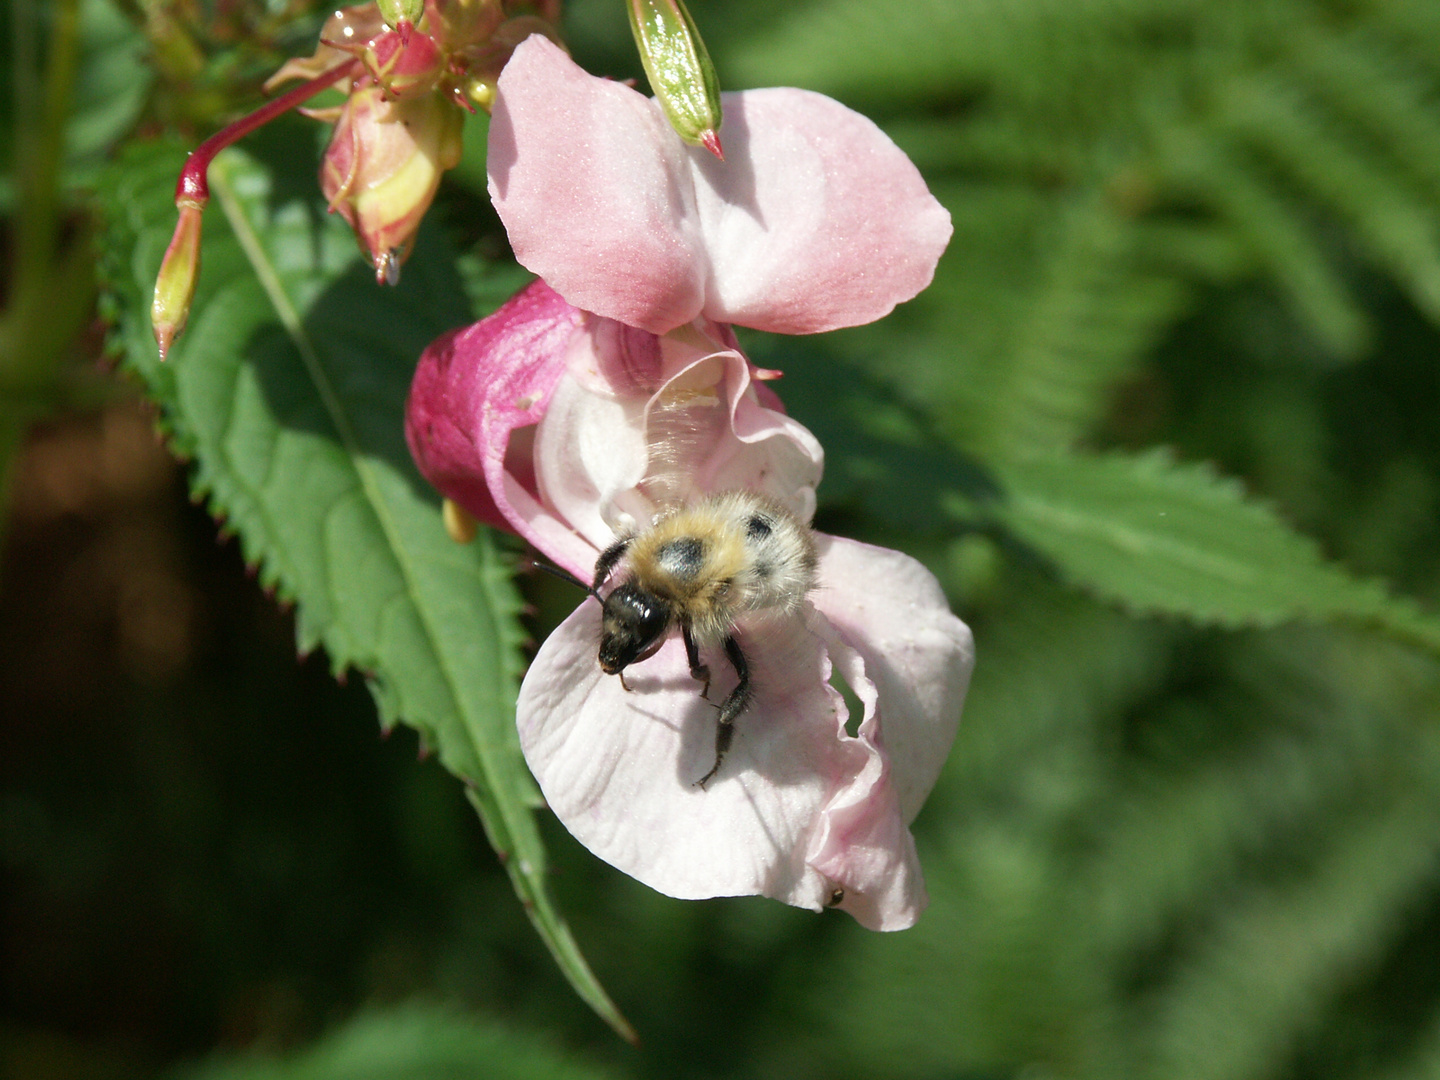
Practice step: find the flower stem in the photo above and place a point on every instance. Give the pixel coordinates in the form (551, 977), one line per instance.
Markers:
(179, 269)
(51, 281)
(193, 188)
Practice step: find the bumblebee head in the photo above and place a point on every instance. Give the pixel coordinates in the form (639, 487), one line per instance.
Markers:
(633, 624)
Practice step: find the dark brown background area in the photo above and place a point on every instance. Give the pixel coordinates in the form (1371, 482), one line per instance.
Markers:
(202, 837)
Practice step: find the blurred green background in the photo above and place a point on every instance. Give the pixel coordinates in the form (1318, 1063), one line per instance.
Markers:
(1174, 839)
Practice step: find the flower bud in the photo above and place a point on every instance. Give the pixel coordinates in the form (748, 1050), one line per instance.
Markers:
(406, 62)
(383, 165)
(679, 69)
(399, 12)
(175, 284)
(348, 31)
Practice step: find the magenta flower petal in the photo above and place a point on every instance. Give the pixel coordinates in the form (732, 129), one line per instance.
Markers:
(800, 811)
(476, 387)
(815, 220)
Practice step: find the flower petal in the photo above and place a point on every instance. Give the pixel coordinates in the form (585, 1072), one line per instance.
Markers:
(894, 613)
(860, 841)
(625, 436)
(620, 769)
(474, 390)
(810, 814)
(587, 176)
(815, 219)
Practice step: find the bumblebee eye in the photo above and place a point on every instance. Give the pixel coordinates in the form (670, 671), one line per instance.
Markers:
(633, 622)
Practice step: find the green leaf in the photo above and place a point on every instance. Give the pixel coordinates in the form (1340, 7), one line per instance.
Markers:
(110, 90)
(415, 1042)
(288, 389)
(1156, 536)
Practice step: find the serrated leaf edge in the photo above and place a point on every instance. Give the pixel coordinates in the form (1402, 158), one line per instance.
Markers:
(523, 872)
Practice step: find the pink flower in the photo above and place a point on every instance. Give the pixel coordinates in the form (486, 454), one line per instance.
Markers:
(815, 219)
(569, 429)
(614, 388)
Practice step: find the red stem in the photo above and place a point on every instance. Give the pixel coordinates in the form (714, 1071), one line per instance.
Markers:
(193, 187)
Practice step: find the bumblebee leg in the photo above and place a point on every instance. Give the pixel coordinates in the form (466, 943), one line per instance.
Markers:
(623, 684)
(733, 705)
(698, 670)
(608, 558)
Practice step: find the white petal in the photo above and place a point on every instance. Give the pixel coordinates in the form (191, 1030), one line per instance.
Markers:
(891, 609)
(620, 769)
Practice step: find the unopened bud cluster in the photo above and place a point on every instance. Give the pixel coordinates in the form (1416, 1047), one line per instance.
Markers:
(412, 70)
(423, 66)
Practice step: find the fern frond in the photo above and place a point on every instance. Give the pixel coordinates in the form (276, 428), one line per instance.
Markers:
(1263, 979)
(1305, 131)
(1270, 225)
(1274, 119)
(1188, 827)
(1385, 96)
(1092, 313)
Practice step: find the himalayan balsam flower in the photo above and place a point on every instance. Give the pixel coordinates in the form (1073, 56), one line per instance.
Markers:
(615, 388)
(567, 428)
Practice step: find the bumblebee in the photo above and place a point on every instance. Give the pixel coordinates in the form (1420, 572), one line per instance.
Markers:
(702, 566)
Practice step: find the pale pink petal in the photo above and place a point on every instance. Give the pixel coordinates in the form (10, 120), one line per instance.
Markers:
(770, 453)
(611, 451)
(861, 841)
(919, 655)
(589, 447)
(592, 186)
(815, 219)
(800, 811)
(475, 392)
(620, 769)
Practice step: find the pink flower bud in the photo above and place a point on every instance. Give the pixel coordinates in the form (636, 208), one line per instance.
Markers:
(405, 62)
(383, 165)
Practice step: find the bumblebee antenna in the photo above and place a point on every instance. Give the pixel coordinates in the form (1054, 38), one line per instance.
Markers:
(564, 575)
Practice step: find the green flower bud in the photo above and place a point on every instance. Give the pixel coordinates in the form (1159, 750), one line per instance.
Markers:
(398, 12)
(175, 284)
(679, 68)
